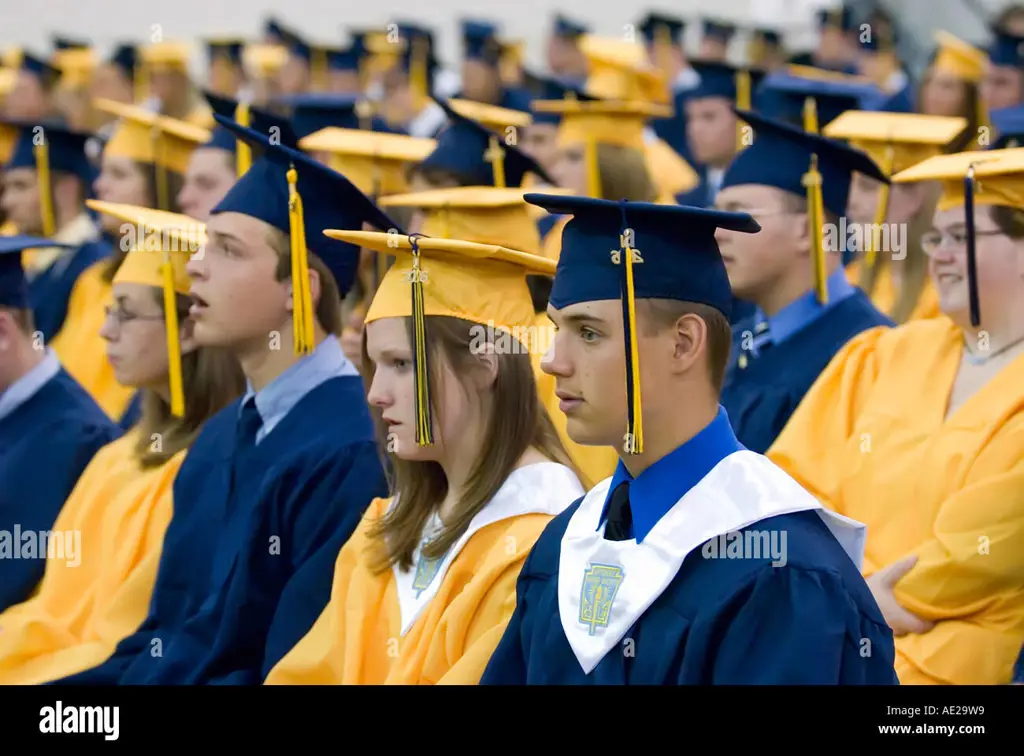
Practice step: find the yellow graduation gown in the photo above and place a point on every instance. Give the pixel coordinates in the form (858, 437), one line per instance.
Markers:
(359, 638)
(885, 294)
(595, 463)
(81, 612)
(669, 172)
(871, 442)
(82, 351)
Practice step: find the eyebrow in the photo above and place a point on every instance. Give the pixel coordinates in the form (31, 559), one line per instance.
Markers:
(222, 236)
(582, 318)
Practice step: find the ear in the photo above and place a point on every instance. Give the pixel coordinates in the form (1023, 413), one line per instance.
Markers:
(487, 360)
(690, 341)
(802, 234)
(186, 336)
(314, 287)
(8, 329)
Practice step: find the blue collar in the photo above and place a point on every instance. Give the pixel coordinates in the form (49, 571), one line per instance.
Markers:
(665, 482)
(278, 397)
(801, 313)
(29, 384)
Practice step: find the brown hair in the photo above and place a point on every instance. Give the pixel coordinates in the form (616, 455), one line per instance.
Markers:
(624, 174)
(518, 421)
(211, 380)
(23, 318)
(328, 307)
(658, 314)
(1009, 220)
(174, 182)
(914, 269)
(969, 101)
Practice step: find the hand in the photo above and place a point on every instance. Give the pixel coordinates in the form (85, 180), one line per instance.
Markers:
(881, 584)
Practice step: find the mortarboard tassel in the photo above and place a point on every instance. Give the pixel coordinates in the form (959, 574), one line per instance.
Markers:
(663, 49)
(495, 155)
(972, 260)
(318, 65)
(810, 116)
(871, 256)
(173, 338)
(301, 295)
(163, 200)
(815, 207)
(42, 156)
(424, 419)
(742, 102)
(141, 88)
(634, 439)
(418, 70)
(244, 155)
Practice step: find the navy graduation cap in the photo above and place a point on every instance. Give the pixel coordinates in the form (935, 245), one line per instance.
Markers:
(639, 250)
(466, 149)
(1006, 50)
(654, 25)
(125, 57)
(262, 121)
(285, 186)
(1009, 126)
(230, 50)
(480, 40)
(345, 58)
(836, 18)
(769, 37)
(63, 149)
(568, 28)
(719, 30)
(60, 42)
(780, 155)
(721, 80)
(37, 66)
(784, 95)
(13, 283)
(553, 89)
(313, 111)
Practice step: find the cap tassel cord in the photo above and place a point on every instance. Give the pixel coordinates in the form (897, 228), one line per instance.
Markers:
(496, 157)
(173, 337)
(743, 103)
(815, 207)
(301, 295)
(418, 70)
(424, 419)
(871, 257)
(972, 260)
(163, 201)
(634, 439)
(244, 159)
(42, 155)
(593, 168)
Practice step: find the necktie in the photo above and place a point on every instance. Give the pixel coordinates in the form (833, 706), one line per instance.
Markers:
(620, 516)
(249, 423)
(762, 338)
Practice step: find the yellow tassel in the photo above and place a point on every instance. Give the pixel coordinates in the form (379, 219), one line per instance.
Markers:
(173, 338)
(318, 64)
(635, 430)
(815, 219)
(424, 420)
(244, 155)
(593, 169)
(163, 200)
(495, 155)
(302, 298)
(742, 102)
(141, 83)
(871, 256)
(42, 155)
(810, 116)
(663, 50)
(418, 71)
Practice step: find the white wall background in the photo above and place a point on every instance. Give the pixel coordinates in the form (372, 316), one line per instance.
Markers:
(105, 22)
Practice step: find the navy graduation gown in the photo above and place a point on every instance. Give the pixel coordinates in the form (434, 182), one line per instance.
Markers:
(672, 130)
(50, 290)
(760, 393)
(719, 621)
(700, 195)
(45, 445)
(244, 572)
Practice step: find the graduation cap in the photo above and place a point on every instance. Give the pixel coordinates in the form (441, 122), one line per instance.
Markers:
(618, 72)
(480, 42)
(875, 42)
(553, 90)
(734, 83)
(567, 28)
(375, 162)
(958, 58)
(226, 50)
(126, 58)
(60, 42)
(13, 283)
(257, 119)
(970, 179)
(274, 31)
(300, 197)
(721, 31)
(805, 164)
(262, 61)
(76, 65)
(490, 116)
(1009, 126)
(658, 28)
(163, 266)
(23, 60)
(147, 137)
(785, 97)
(311, 112)
(481, 283)
(166, 56)
(417, 59)
(345, 58)
(766, 37)
(1006, 49)
(602, 246)
(46, 149)
(895, 141)
(839, 18)
(485, 215)
(478, 155)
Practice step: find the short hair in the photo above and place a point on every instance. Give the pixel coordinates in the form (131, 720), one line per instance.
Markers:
(663, 313)
(328, 308)
(23, 318)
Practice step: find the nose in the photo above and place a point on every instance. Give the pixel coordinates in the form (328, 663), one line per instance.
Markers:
(196, 265)
(553, 362)
(378, 396)
(107, 331)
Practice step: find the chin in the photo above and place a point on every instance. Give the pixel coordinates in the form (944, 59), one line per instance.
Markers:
(586, 434)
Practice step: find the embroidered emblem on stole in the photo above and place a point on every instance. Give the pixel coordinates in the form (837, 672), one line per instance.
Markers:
(600, 586)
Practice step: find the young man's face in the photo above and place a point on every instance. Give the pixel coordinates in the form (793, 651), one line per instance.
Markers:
(210, 175)
(20, 199)
(238, 300)
(711, 130)
(757, 262)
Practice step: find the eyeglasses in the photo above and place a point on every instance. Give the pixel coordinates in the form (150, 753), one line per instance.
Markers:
(122, 316)
(932, 241)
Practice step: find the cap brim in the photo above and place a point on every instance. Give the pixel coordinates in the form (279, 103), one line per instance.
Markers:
(396, 244)
(464, 197)
(153, 220)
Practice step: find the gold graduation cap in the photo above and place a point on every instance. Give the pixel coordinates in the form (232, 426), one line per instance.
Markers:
(481, 283)
(76, 66)
(613, 48)
(8, 76)
(959, 58)
(984, 177)
(895, 141)
(261, 61)
(147, 137)
(822, 74)
(158, 258)
(160, 57)
(374, 161)
(484, 215)
(614, 74)
(493, 117)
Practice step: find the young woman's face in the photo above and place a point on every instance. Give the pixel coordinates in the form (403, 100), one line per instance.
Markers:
(136, 337)
(121, 180)
(393, 392)
(570, 169)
